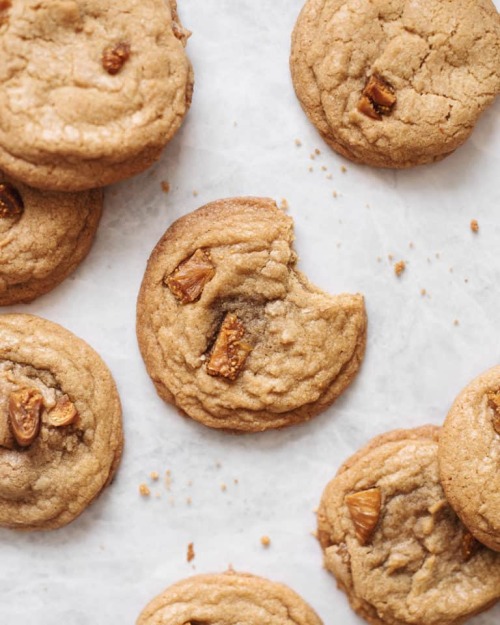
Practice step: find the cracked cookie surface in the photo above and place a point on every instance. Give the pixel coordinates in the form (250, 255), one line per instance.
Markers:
(56, 388)
(469, 457)
(254, 345)
(92, 90)
(228, 599)
(436, 65)
(419, 565)
(44, 236)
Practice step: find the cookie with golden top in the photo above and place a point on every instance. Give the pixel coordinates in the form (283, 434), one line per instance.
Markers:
(60, 424)
(228, 599)
(393, 542)
(232, 333)
(44, 236)
(469, 457)
(92, 90)
(396, 83)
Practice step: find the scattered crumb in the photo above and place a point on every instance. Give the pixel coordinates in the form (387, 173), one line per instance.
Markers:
(144, 490)
(474, 226)
(218, 464)
(223, 488)
(265, 541)
(339, 244)
(379, 259)
(343, 169)
(399, 267)
(154, 476)
(235, 124)
(315, 510)
(317, 152)
(390, 257)
(329, 177)
(466, 280)
(189, 501)
(190, 552)
(298, 143)
(284, 205)
(335, 194)
(311, 169)
(171, 501)
(456, 322)
(411, 246)
(314, 534)
(195, 193)
(323, 168)
(168, 479)
(157, 495)
(236, 481)
(451, 269)
(165, 187)
(190, 483)
(423, 292)
(437, 255)
(312, 156)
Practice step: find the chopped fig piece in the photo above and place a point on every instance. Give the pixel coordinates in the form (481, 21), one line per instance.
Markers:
(229, 352)
(364, 508)
(25, 407)
(188, 280)
(378, 98)
(63, 413)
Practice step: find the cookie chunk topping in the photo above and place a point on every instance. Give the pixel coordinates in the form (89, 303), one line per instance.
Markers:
(115, 57)
(188, 280)
(229, 352)
(25, 407)
(11, 202)
(377, 98)
(364, 508)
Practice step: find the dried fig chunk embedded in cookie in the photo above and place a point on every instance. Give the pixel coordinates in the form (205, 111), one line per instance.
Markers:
(229, 352)
(63, 413)
(470, 545)
(378, 98)
(188, 280)
(494, 403)
(25, 407)
(11, 201)
(115, 57)
(364, 509)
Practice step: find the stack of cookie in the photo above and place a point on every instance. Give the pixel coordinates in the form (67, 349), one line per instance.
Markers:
(91, 93)
(410, 525)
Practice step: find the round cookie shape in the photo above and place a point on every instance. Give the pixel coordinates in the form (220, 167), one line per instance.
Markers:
(394, 543)
(92, 90)
(60, 424)
(469, 457)
(228, 599)
(232, 333)
(396, 84)
(44, 236)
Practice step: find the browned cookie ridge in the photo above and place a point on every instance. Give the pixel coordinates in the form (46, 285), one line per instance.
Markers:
(44, 236)
(60, 424)
(92, 90)
(232, 333)
(396, 83)
(469, 457)
(228, 599)
(394, 543)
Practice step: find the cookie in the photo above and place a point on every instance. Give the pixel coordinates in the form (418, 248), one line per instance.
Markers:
(469, 457)
(44, 236)
(60, 424)
(92, 90)
(395, 545)
(232, 333)
(229, 599)
(396, 84)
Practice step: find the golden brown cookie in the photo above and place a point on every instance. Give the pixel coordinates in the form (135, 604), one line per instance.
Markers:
(232, 333)
(92, 90)
(60, 424)
(394, 543)
(228, 599)
(44, 236)
(396, 84)
(469, 457)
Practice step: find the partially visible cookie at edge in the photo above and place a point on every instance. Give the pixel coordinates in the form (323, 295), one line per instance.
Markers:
(44, 236)
(230, 598)
(469, 457)
(396, 84)
(394, 543)
(92, 90)
(232, 333)
(61, 433)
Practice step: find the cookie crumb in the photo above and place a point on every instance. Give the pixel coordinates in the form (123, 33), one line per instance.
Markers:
(311, 169)
(284, 205)
(298, 143)
(379, 259)
(168, 479)
(456, 322)
(411, 246)
(190, 552)
(317, 152)
(335, 194)
(265, 541)
(423, 292)
(144, 490)
(154, 476)
(223, 488)
(236, 481)
(329, 177)
(474, 226)
(195, 193)
(343, 169)
(312, 156)
(314, 534)
(390, 257)
(189, 501)
(323, 168)
(399, 267)
(165, 187)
